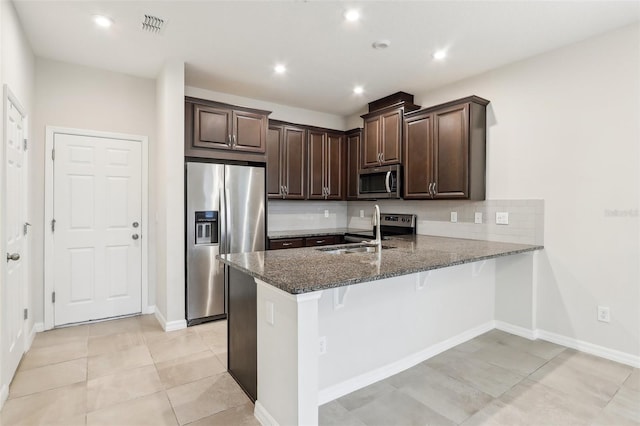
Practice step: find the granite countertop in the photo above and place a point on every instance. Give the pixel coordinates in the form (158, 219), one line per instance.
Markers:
(308, 269)
(317, 232)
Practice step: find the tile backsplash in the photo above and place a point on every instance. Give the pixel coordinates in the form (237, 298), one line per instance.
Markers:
(526, 217)
(286, 215)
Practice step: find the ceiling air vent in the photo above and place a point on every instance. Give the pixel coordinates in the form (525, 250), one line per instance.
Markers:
(152, 24)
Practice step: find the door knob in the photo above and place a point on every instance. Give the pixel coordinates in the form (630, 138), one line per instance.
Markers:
(13, 256)
(135, 236)
(135, 224)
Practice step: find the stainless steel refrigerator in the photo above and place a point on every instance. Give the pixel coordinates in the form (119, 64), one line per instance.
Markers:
(225, 213)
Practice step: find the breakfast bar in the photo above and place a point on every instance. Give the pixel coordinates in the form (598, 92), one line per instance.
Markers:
(331, 320)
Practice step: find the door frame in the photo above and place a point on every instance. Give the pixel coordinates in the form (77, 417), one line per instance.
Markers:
(51, 131)
(9, 97)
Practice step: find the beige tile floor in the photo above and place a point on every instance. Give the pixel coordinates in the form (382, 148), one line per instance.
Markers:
(128, 372)
(498, 379)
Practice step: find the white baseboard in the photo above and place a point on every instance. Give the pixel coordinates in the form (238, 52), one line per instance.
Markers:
(37, 327)
(170, 325)
(517, 330)
(4, 394)
(358, 382)
(590, 348)
(263, 416)
(149, 310)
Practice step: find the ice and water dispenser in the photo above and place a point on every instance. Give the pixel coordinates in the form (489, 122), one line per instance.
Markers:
(206, 227)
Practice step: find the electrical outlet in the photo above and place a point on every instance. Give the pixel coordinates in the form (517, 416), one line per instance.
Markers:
(478, 217)
(323, 345)
(326, 213)
(502, 218)
(604, 314)
(269, 312)
(454, 216)
(361, 213)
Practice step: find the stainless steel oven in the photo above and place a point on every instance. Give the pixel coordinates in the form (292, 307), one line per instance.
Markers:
(379, 182)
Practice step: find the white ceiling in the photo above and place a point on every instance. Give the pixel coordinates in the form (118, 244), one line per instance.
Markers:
(232, 46)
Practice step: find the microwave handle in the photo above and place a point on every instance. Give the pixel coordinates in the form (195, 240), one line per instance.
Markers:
(387, 183)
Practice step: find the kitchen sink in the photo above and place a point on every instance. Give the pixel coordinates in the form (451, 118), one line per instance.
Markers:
(362, 248)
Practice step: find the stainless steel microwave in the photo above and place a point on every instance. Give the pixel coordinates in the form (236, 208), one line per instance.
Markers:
(379, 182)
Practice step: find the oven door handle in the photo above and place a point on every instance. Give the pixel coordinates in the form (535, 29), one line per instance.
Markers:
(387, 182)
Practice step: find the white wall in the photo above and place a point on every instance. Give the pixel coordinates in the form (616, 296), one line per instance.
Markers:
(278, 111)
(168, 187)
(75, 96)
(563, 127)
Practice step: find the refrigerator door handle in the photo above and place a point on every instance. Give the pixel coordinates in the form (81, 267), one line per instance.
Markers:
(224, 237)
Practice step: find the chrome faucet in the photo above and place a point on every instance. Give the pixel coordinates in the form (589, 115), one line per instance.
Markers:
(375, 221)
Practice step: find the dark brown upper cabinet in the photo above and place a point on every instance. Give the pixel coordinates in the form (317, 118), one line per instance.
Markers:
(383, 128)
(224, 128)
(286, 162)
(445, 151)
(326, 165)
(353, 138)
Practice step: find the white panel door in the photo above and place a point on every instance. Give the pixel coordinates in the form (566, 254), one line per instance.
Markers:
(97, 210)
(14, 202)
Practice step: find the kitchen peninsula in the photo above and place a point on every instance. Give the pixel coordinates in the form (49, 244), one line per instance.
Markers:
(330, 322)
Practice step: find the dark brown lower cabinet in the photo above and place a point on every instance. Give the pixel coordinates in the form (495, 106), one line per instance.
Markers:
(320, 240)
(242, 354)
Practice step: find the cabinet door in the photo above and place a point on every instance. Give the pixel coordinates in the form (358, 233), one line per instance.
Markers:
(418, 157)
(295, 158)
(451, 152)
(274, 161)
(317, 164)
(371, 142)
(353, 163)
(391, 141)
(249, 131)
(211, 127)
(324, 240)
(334, 159)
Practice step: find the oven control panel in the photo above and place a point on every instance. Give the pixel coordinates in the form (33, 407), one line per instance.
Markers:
(400, 219)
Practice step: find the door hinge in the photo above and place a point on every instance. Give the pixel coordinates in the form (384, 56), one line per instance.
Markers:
(53, 297)
(53, 225)
(25, 228)
(53, 155)
(25, 144)
(26, 313)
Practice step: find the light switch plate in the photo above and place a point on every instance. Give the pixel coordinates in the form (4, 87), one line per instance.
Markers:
(454, 216)
(478, 217)
(326, 213)
(502, 218)
(361, 213)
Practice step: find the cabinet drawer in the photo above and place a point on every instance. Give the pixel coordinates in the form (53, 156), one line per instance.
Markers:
(324, 240)
(286, 243)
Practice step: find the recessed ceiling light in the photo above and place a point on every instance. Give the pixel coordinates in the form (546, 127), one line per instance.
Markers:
(280, 69)
(381, 44)
(102, 21)
(352, 15)
(358, 90)
(439, 54)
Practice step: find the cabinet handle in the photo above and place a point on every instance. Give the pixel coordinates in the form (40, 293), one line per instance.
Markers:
(430, 189)
(234, 140)
(229, 141)
(435, 188)
(286, 244)
(319, 241)
(286, 190)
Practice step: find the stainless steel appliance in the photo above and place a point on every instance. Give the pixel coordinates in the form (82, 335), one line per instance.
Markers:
(379, 182)
(391, 225)
(225, 213)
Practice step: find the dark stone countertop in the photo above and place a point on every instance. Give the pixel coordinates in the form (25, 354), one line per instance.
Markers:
(317, 232)
(308, 269)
